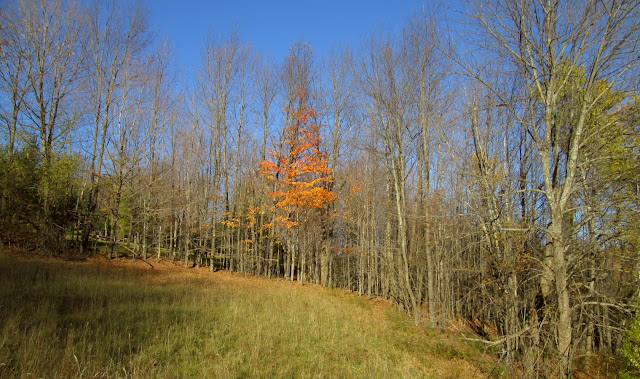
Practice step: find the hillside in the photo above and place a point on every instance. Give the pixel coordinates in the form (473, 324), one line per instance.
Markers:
(123, 319)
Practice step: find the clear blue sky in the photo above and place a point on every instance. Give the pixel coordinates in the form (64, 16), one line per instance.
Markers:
(272, 26)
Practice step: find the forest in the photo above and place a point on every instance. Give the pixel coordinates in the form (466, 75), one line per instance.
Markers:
(479, 168)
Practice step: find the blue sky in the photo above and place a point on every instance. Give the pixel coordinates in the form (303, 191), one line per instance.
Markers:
(272, 26)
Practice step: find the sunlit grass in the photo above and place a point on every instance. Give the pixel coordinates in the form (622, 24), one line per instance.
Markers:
(66, 320)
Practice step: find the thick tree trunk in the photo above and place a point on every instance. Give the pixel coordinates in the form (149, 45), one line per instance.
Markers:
(564, 325)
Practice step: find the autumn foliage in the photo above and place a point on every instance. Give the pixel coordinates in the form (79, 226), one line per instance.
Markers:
(301, 172)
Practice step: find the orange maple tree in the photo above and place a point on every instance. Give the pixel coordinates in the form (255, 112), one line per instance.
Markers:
(301, 172)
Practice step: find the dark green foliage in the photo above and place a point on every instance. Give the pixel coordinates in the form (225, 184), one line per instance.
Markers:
(38, 200)
(19, 177)
(631, 349)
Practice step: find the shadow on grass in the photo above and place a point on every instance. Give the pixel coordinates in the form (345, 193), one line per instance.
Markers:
(72, 320)
(69, 319)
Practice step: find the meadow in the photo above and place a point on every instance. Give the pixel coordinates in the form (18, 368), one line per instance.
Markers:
(118, 318)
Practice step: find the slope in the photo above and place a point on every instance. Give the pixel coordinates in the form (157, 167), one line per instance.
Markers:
(123, 319)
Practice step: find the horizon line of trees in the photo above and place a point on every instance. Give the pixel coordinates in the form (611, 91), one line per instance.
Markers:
(498, 189)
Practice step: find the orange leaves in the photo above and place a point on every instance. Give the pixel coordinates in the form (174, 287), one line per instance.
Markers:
(315, 197)
(302, 171)
(267, 168)
(284, 221)
(356, 187)
(231, 222)
(276, 194)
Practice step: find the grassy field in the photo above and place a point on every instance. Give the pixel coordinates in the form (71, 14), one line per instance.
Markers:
(116, 318)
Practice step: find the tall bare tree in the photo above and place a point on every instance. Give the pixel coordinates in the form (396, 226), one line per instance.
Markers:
(340, 115)
(386, 83)
(14, 55)
(216, 76)
(427, 68)
(117, 36)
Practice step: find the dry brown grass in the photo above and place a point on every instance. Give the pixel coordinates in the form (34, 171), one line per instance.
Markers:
(124, 318)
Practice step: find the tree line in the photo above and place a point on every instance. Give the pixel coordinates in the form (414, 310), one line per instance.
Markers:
(483, 177)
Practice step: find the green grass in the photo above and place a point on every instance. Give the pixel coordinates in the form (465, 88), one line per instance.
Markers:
(85, 320)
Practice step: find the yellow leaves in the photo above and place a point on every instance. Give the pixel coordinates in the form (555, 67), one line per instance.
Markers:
(251, 215)
(247, 217)
(231, 222)
(284, 221)
(266, 227)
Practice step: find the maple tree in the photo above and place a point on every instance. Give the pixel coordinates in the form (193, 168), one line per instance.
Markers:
(301, 173)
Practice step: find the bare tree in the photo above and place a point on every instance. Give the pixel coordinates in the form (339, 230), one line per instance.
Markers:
(267, 90)
(14, 55)
(427, 68)
(386, 83)
(216, 76)
(163, 103)
(117, 36)
(126, 151)
(340, 115)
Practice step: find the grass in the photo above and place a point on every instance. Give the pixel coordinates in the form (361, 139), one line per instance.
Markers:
(118, 319)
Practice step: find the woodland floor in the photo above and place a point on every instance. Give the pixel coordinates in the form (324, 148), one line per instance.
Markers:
(119, 318)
